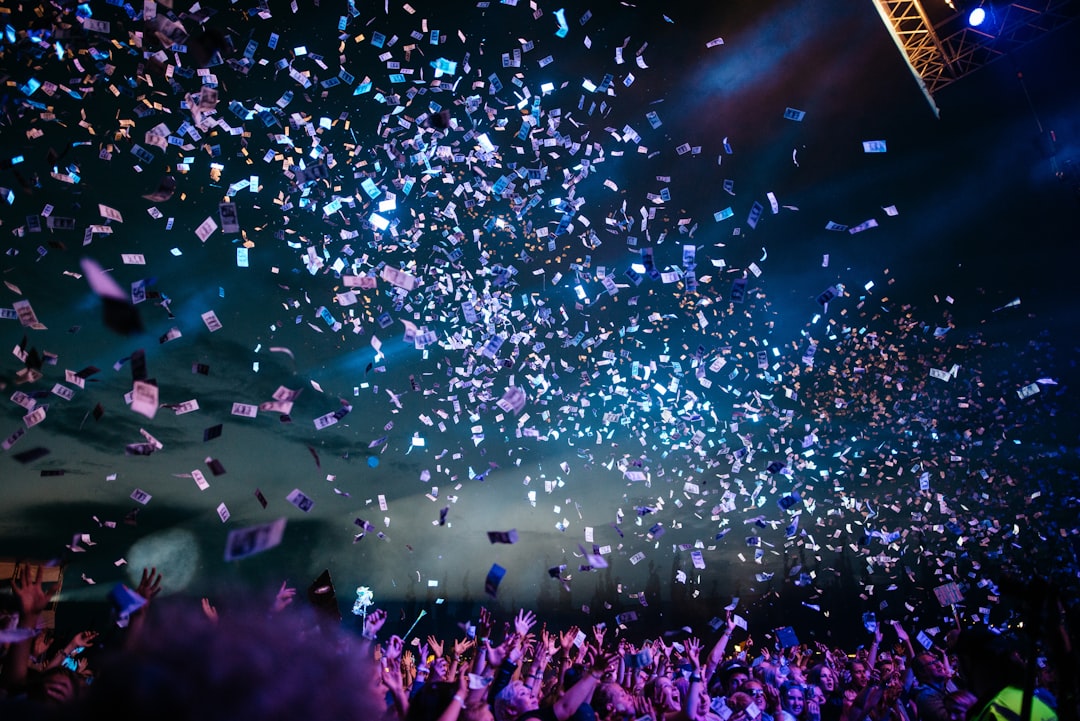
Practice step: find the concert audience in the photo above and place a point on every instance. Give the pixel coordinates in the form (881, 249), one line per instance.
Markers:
(177, 661)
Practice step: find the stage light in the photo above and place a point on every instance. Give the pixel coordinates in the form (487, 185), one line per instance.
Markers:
(174, 552)
(977, 17)
(364, 599)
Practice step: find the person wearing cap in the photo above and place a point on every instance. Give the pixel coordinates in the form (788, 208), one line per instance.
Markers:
(732, 675)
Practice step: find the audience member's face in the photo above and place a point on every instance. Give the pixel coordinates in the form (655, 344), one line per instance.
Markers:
(666, 694)
(703, 703)
(621, 705)
(859, 676)
(815, 694)
(930, 668)
(738, 678)
(440, 668)
(756, 691)
(525, 699)
(794, 701)
(828, 680)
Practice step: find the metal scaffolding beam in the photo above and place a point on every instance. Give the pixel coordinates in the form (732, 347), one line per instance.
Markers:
(941, 54)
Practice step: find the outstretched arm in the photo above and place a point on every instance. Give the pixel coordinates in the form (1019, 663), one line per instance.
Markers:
(32, 599)
(716, 655)
(582, 691)
(149, 587)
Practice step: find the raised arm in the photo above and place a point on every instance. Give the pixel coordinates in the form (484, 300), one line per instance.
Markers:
(692, 703)
(582, 691)
(32, 600)
(716, 655)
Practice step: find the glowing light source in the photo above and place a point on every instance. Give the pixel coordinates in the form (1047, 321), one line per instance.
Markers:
(364, 599)
(977, 17)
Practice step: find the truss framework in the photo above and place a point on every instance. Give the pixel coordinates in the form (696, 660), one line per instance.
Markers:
(941, 54)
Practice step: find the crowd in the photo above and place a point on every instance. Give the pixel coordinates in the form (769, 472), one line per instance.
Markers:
(173, 660)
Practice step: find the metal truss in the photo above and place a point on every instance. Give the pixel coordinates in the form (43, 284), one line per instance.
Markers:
(941, 54)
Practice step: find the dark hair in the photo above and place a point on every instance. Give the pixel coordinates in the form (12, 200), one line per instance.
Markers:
(729, 669)
(245, 667)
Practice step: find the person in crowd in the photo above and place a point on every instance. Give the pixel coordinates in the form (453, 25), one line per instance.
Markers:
(994, 670)
(823, 677)
(174, 663)
(932, 675)
(764, 698)
(794, 704)
(958, 703)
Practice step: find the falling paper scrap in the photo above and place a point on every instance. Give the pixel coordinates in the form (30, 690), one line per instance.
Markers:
(494, 578)
(244, 542)
(510, 536)
(301, 501)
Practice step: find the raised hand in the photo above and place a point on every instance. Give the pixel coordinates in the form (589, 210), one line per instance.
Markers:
(496, 654)
(209, 611)
(150, 584)
(602, 662)
(566, 640)
(283, 598)
(598, 632)
(30, 594)
(525, 620)
(485, 624)
(548, 643)
(84, 638)
(643, 707)
(391, 675)
(693, 652)
(436, 646)
(462, 646)
(394, 648)
(374, 622)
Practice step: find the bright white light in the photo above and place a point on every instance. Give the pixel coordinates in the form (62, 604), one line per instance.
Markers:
(637, 268)
(976, 18)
